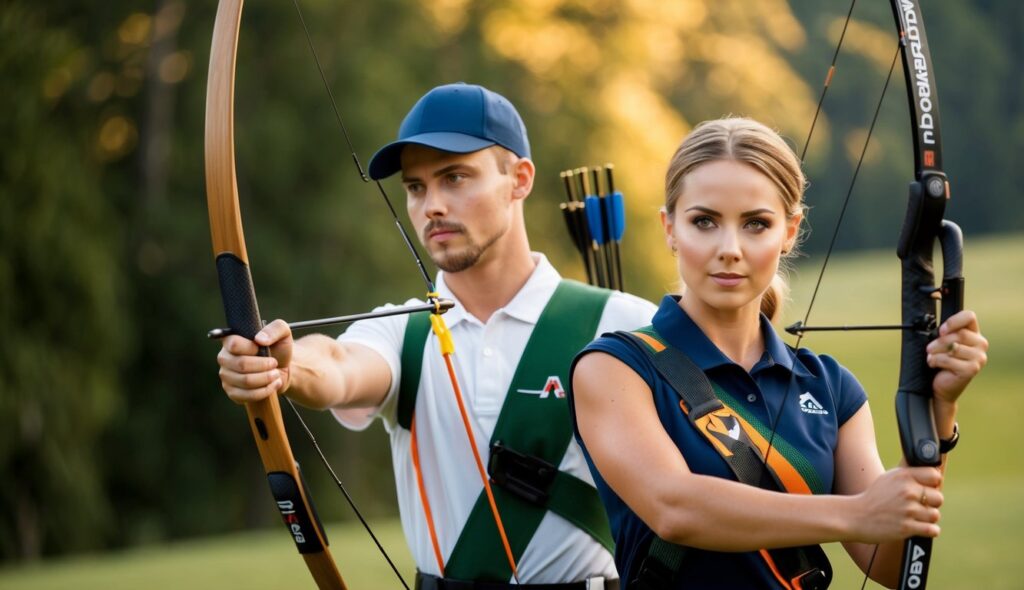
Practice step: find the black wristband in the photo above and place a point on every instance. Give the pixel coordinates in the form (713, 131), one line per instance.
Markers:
(947, 445)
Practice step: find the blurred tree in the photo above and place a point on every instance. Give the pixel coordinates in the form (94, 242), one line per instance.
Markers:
(974, 47)
(320, 241)
(62, 287)
(624, 82)
(113, 428)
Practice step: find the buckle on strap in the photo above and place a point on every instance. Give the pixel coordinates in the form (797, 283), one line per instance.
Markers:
(651, 575)
(812, 579)
(525, 476)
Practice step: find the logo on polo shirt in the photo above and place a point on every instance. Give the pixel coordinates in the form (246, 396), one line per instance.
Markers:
(810, 405)
(553, 386)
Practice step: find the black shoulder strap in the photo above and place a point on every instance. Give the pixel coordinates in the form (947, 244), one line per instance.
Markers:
(706, 412)
(805, 567)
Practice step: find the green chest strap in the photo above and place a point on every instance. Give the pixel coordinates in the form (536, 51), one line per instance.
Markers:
(416, 333)
(530, 438)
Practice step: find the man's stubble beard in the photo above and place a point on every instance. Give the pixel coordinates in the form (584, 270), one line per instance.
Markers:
(468, 257)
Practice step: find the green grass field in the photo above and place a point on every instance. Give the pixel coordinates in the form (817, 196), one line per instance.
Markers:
(984, 512)
(256, 561)
(980, 546)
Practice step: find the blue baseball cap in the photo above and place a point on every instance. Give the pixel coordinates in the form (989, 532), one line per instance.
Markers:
(459, 118)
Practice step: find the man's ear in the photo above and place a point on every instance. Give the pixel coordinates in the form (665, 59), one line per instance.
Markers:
(523, 173)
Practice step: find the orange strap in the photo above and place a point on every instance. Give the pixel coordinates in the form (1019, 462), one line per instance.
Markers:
(775, 570)
(423, 498)
(480, 466)
(787, 474)
(447, 349)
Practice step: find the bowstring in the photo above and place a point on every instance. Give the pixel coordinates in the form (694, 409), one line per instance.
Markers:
(416, 258)
(835, 232)
(430, 284)
(348, 497)
(432, 294)
(355, 158)
(828, 80)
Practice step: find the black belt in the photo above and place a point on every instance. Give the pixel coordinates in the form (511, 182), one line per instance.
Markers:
(428, 582)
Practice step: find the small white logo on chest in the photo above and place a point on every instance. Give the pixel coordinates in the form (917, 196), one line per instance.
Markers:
(810, 405)
(553, 386)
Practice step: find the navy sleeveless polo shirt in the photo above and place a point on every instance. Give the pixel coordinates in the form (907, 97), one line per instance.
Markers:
(824, 396)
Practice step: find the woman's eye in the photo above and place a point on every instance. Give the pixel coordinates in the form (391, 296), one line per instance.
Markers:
(758, 224)
(704, 222)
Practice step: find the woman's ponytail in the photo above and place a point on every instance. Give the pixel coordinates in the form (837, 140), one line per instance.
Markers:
(774, 298)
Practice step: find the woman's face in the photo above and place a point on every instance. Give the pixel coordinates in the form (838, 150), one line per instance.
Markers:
(729, 229)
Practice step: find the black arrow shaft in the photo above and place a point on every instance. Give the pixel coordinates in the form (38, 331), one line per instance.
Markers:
(442, 306)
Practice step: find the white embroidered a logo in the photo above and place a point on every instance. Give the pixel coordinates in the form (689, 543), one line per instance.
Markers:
(552, 386)
(810, 405)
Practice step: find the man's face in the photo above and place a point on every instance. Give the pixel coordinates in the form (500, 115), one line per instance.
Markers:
(460, 204)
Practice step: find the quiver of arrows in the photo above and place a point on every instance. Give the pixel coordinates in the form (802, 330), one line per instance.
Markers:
(596, 220)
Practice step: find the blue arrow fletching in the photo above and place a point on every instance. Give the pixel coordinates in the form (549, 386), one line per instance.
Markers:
(618, 216)
(593, 209)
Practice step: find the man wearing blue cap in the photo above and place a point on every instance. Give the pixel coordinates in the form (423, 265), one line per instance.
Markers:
(464, 159)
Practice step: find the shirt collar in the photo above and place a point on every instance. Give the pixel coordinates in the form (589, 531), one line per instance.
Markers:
(538, 288)
(777, 353)
(676, 326)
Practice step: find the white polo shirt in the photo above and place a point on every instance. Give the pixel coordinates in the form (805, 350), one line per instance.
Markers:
(486, 357)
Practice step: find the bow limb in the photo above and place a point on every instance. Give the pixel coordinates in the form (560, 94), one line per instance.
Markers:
(922, 228)
(286, 483)
(437, 322)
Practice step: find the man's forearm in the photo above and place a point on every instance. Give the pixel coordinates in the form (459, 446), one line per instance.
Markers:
(316, 372)
(326, 373)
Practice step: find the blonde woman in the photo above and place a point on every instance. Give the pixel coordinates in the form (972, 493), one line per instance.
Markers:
(732, 213)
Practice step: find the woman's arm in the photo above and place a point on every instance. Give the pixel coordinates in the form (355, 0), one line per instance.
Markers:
(619, 424)
(859, 471)
(959, 354)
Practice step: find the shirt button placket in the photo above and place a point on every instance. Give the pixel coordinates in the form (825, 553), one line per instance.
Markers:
(487, 394)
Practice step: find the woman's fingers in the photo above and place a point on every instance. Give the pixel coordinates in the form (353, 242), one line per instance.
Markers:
(963, 319)
(931, 498)
(903, 502)
(926, 476)
(959, 354)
